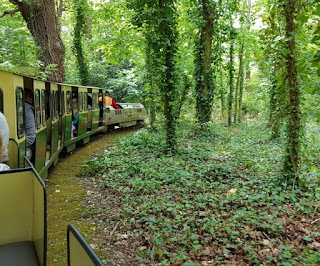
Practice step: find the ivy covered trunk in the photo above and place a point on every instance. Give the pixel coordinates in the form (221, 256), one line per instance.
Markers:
(204, 71)
(168, 33)
(294, 124)
(42, 23)
(273, 105)
(79, 31)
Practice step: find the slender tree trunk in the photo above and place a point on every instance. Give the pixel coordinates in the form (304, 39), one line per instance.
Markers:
(238, 95)
(42, 23)
(183, 95)
(231, 87)
(222, 94)
(150, 74)
(204, 72)
(235, 114)
(79, 31)
(59, 5)
(246, 51)
(294, 124)
(241, 91)
(275, 105)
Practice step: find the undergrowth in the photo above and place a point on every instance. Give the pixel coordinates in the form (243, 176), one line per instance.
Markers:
(217, 199)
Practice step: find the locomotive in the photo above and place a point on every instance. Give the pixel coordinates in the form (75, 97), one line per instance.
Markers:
(23, 222)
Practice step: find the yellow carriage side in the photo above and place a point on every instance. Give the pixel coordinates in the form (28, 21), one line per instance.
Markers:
(11, 86)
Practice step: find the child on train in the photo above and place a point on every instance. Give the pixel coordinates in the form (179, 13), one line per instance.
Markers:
(75, 116)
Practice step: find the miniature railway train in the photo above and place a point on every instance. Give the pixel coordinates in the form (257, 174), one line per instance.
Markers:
(23, 208)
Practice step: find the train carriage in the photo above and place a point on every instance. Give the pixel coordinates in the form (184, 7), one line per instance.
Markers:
(52, 103)
(23, 223)
(11, 91)
(23, 237)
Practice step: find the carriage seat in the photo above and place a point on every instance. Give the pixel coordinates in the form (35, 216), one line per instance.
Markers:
(19, 253)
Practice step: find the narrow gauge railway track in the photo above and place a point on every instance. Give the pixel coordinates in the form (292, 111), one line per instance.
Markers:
(66, 197)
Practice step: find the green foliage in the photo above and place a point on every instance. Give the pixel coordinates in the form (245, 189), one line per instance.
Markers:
(211, 202)
(113, 48)
(157, 21)
(18, 52)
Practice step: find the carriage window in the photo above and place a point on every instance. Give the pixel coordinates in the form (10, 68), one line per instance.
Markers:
(38, 108)
(89, 101)
(20, 112)
(97, 101)
(85, 104)
(62, 103)
(68, 102)
(43, 104)
(56, 103)
(1, 101)
(51, 105)
(81, 101)
(94, 100)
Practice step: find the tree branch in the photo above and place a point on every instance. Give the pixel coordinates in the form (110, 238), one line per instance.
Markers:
(9, 12)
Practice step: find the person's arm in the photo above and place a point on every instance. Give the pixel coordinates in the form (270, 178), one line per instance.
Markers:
(114, 105)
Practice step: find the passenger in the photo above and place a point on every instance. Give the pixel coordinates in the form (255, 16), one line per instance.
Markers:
(110, 102)
(3, 166)
(4, 130)
(30, 122)
(75, 116)
(101, 106)
(89, 101)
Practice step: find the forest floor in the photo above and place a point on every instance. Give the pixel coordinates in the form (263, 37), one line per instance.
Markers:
(219, 200)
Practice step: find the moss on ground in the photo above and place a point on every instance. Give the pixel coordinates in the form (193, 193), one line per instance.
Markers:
(66, 200)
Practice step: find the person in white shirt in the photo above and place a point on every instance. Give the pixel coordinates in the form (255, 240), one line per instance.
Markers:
(4, 130)
(30, 121)
(3, 166)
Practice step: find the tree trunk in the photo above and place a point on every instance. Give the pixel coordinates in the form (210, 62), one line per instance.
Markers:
(231, 88)
(241, 73)
(222, 94)
(204, 72)
(239, 86)
(276, 105)
(235, 114)
(79, 31)
(294, 125)
(150, 77)
(168, 34)
(42, 23)
(183, 95)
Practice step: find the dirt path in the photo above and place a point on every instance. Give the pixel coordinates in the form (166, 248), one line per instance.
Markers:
(66, 196)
